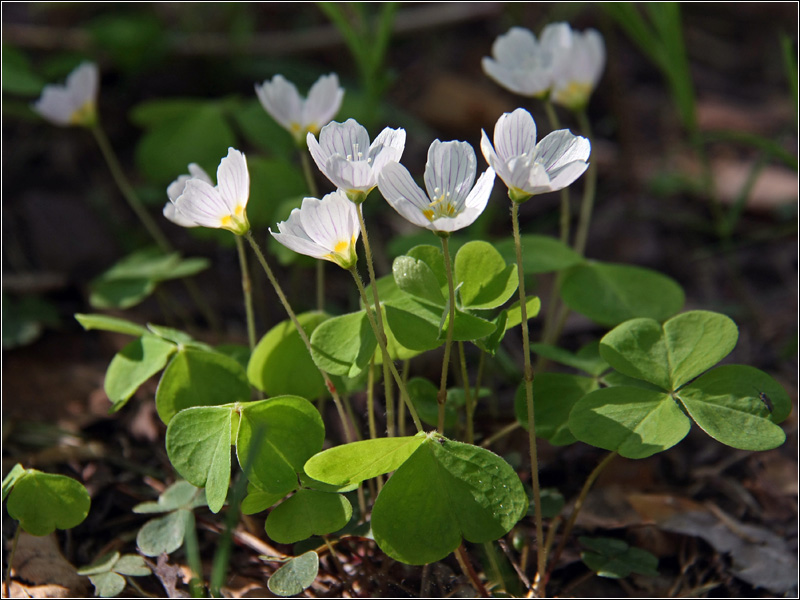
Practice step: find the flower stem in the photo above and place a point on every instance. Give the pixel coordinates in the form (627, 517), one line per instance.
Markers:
(500, 434)
(348, 426)
(10, 559)
(387, 360)
(373, 430)
(247, 291)
(469, 571)
(138, 208)
(468, 403)
(442, 395)
(127, 189)
(589, 187)
(528, 378)
(579, 504)
(380, 334)
(552, 115)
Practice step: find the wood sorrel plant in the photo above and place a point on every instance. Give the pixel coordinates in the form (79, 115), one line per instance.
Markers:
(643, 384)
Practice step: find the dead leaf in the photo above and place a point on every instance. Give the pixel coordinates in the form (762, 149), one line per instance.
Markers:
(38, 561)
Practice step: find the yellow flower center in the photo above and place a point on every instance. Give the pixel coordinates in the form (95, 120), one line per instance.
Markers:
(344, 253)
(84, 115)
(574, 96)
(441, 207)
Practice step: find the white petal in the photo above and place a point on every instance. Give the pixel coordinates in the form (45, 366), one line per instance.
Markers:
(346, 139)
(515, 134)
(474, 205)
(562, 147)
(450, 171)
(387, 147)
(562, 176)
(202, 204)
(196, 171)
(233, 180)
(177, 217)
(281, 100)
(83, 83)
(175, 189)
(515, 46)
(350, 175)
(324, 101)
(528, 175)
(406, 197)
(300, 245)
(320, 158)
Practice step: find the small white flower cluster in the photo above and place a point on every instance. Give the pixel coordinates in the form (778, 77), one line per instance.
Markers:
(563, 64)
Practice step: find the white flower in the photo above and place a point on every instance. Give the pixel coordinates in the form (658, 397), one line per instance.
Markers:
(299, 116)
(345, 156)
(451, 202)
(200, 204)
(175, 190)
(528, 168)
(326, 229)
(524, 65)
(74, 103)
(577, 69)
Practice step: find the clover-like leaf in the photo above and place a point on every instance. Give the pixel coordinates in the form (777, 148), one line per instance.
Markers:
(343, 345)
(587, 359)
(613, 558)
(726, 403)
(199, 447)
(280, 363)
(295, 575)
(200, 378)
(291, 431)
(44, 502)
(484, 279)
(307, 513)
(357, 461)
(632, 421)
(540, 253)
(554, 395)
(180, 494)
(133, 365)
(415, 277)
(610, 294)
(444, 492)
(164, 534)
(107, 323)
(673, 354)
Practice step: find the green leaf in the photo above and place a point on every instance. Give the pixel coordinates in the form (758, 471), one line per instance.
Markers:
(199, 447)
(132, 39)
(197, 131)
(14, 475)
(106, 323)
(261, 130)
(108, 584)
(433, 257)
(180, 494)
(281, 364)
(307, 513)
(295, 576)
(587, 359)
(637, 349)
(42, 502)
(484, 278)
(669, 356)
(164, 534)
(344, 345)
(257, 500)
(444, 492)
(415, 277)
(119, 293)
(355, 462)
(632, 421)
(726, 404)
(18, 77)
(424, 396)
(532, 307)
(292, 431)
(200, 378)
(102, 565)
(540, 254)
(609, 557)
(610, 294)
(554, 395)
(696, 341)
(176, 336)
(132, 565)
(133, 365)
